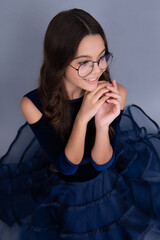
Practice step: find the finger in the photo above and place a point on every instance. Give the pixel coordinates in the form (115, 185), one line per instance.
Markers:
(112, 89)
(115, 102)
(101, 101)
(103, 81)
(114, 84)
(102, 85)
(113, 95)
(100, 93)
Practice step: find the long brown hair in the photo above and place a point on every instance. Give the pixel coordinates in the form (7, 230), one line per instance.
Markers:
(62, 38)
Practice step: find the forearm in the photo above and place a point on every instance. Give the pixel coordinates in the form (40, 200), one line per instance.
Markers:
(102, 150)
(74, 149)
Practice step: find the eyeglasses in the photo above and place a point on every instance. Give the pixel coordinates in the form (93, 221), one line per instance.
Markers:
(86, 67)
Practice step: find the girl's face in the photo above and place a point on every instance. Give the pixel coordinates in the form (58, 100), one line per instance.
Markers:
(92, 48)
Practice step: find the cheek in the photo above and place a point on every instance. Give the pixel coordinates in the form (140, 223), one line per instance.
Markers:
(69, 71)
(72, 75)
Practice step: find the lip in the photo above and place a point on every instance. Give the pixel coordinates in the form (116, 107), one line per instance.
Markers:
(91, 81)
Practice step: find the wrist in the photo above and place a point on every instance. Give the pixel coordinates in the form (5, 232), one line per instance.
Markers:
(81, 120)
(102, 128)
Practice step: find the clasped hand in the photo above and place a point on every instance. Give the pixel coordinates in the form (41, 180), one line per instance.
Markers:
(104, 103)
(110, 109)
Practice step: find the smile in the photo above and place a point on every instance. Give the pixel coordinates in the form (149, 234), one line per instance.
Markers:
(91, 81)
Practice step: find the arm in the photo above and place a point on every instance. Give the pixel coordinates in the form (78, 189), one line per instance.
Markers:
(74, 148)
(50, 141)
(92, 101)
(102, 152)
(64, 158)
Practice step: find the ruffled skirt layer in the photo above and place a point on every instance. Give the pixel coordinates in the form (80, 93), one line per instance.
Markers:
(121, 203)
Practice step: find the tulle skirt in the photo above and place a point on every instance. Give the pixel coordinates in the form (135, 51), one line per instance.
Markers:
(120, 203)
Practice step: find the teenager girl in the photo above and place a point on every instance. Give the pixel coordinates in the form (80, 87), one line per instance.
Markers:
(83, 178)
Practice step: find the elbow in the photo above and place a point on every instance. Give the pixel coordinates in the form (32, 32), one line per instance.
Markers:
(64, 166)
(102, 167)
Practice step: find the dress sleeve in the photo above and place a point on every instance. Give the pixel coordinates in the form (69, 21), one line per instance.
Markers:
(115, 125)
(52, 146)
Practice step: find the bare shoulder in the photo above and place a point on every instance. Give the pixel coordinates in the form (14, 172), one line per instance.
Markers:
(30, 111)
(123, 92)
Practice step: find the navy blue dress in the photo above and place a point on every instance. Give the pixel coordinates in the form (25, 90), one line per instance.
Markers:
(116, 201)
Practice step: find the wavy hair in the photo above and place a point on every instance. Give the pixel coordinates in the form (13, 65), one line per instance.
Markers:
(63, 36)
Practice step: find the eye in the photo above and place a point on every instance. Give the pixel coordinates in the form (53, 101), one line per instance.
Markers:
(102, 58)
(83, 63)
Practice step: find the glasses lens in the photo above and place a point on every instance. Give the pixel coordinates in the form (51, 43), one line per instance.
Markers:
(105, 61)
(85, 68)
(108, 59)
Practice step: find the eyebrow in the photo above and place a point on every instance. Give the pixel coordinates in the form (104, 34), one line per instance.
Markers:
(87, 56)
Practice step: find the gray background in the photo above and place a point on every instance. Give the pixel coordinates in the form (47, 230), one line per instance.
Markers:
(133, 32)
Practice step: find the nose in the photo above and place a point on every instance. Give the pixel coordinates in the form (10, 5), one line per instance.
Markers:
(96, 68)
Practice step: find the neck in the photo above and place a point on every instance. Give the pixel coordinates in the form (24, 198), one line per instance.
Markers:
(75, 95)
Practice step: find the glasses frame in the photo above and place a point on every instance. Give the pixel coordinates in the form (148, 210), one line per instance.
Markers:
(108, 55)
